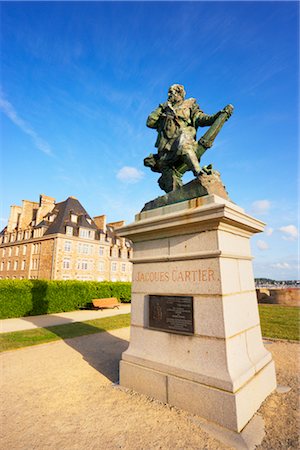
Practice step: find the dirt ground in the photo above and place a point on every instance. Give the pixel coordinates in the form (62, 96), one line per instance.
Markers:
(61, 396)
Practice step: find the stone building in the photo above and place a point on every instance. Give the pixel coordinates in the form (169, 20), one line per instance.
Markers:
(60, 241)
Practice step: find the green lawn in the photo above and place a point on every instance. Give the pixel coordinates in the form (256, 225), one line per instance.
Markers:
(281, 322)
(19, 339)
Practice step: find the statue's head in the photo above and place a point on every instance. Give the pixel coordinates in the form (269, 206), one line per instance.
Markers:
(176, 93)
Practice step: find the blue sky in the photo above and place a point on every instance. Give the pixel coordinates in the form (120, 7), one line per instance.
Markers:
(78, 81)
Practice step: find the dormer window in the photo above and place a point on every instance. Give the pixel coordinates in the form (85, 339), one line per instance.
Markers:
(69, 231)
(89, 220)
(52, 217)
(74, 218)
(86, 233)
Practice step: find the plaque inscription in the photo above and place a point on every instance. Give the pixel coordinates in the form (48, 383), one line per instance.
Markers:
(171, 313)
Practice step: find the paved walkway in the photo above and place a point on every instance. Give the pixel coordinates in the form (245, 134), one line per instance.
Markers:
(61, 396)
(47, 320)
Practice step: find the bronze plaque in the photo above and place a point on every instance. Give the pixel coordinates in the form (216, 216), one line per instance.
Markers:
(171, 313)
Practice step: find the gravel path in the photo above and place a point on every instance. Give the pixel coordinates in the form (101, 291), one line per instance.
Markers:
(60, 396)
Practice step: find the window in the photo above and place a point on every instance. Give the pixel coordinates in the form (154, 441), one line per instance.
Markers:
(17, 250)
(2, 265)
(68, 246)
(113, 266)
(85, 233)
(101, 251)
(9, 251)
(82, 264)
(27, 234)
(66, 263)
(114, 252)
(35, 248)
(35, 264)
(24, 249)
(16, 265)
(8, 265)
(88, 220)
(23, 264)
(3, 251)
(123, 267)
(101, 266)
(66, 277)
(37, 232)
(6, 238)
(69, 231)
(74, 218)
(84, 278)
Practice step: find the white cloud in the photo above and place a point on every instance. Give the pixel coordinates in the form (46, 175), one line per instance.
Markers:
(10, 112)
(262, 245)
(269, 231)
(129, 174)
(283, 265)
(290, 232)
(261, 206)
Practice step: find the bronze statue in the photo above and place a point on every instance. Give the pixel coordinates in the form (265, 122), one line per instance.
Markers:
(176, 122)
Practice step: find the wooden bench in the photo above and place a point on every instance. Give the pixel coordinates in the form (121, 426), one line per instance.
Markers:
(101, 303)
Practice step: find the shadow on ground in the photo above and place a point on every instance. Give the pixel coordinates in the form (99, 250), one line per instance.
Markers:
(101, 350)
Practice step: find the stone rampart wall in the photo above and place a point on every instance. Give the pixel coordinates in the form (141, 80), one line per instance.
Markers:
(284, 297)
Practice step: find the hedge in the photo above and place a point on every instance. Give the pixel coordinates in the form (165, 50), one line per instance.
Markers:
(19, 298)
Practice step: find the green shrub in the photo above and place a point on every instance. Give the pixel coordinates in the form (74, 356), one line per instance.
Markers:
(122, 291)
(19, 298)
(15, 298)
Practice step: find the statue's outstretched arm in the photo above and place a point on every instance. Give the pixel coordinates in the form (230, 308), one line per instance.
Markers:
(205, 120)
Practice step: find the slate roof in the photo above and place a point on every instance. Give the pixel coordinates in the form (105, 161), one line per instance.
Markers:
(63, 211)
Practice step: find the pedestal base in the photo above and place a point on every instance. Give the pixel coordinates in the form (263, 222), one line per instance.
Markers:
(230, 410)
(219, 368)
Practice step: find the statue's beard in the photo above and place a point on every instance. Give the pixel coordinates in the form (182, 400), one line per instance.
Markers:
(173, 99)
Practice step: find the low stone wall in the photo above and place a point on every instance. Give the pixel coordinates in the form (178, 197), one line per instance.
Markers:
(284, 297)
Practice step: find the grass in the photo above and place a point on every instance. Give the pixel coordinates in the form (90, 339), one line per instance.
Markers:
(280, 322)
(19, 339)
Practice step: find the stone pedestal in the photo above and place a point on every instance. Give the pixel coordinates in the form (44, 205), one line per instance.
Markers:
(221, 370)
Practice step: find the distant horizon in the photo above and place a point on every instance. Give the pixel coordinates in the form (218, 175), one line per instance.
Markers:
(80, 78)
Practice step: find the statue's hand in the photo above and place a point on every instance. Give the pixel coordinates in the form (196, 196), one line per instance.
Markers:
(228, 109)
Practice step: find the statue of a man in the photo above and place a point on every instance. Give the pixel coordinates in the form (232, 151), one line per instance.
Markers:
(176, 122)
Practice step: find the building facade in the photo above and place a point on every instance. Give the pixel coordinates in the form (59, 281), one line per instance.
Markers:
(60, 241)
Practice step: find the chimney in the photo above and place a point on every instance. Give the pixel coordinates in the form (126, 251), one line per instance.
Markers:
(100, 222)
(46, 205)
(14, 218)
(118, 224)
(46, 200)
